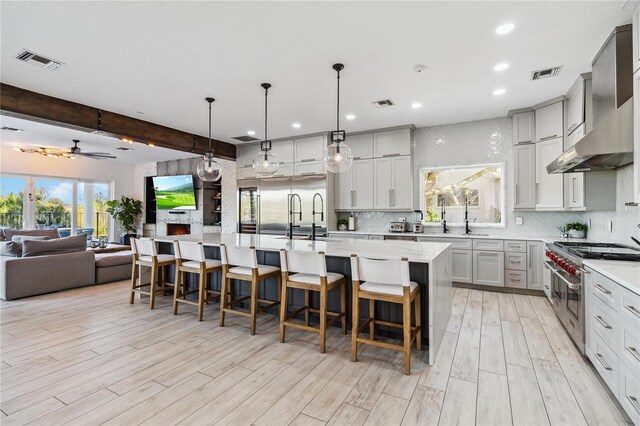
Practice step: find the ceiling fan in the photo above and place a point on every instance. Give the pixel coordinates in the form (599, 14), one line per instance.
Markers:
(75, 150)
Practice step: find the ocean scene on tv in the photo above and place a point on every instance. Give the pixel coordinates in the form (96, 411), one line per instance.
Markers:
(174, 192)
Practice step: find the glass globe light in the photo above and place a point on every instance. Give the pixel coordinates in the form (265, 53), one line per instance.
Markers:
(209, 170)
(338, 157)
(265, 164)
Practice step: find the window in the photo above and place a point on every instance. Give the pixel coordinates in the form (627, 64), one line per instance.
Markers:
(12, 189)
(480, 187)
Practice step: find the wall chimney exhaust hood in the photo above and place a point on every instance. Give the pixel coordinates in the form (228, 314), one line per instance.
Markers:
(610, 144)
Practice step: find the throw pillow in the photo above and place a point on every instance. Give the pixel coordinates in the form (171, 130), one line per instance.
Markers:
(21, 238)
(51, 233)
(11, 248)
(73, 244)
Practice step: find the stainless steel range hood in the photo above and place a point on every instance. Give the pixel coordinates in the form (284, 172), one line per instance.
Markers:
(610, 144)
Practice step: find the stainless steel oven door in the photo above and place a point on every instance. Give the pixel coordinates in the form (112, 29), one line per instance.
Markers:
(557, 289)
(570, 311)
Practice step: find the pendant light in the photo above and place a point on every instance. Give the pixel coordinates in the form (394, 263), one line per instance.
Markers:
(338, 156)
(266, 163)
(209, 170)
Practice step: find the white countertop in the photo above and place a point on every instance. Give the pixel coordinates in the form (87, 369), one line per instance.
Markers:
(544, 238)
(627, 274)
(423, 252)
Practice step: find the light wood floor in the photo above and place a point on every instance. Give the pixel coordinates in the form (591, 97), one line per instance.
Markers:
(88, 357)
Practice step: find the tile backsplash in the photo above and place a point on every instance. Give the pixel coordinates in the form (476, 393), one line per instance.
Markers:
(490, 141)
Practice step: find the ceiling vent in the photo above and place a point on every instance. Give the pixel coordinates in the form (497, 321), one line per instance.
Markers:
(38, 60)
(12, 129)
(383, 103)
(545, 73)
(246, 138)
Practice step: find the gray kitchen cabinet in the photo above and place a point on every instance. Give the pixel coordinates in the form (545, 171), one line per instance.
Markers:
(392, 183)
(361, 145)
(515, 279)
(535, 265)
(549, 122)
(283, 150)
(549, 189)
(392, 143)
(523, 127)
(461, 266)
(636, 135)
(524, 157)
(488, 268)
(576, 105)
(636, 39)
(353, 189)
(309, 149)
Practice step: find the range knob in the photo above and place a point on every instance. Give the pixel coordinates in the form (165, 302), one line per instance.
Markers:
(572, 270)
(561, 263)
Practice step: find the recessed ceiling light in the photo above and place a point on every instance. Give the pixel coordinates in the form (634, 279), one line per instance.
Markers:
(296, 125)
(499, 92)
(350, 117)
(416, 105)
(501, 67)
(251, 132)
(505, 28)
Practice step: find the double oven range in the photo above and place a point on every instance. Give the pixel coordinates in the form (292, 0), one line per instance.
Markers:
(563, 260)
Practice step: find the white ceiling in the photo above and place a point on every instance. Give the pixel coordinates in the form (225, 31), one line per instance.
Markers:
(164, 58)
(36, 135)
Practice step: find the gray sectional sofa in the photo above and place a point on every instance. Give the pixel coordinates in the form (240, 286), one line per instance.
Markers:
(43, 272)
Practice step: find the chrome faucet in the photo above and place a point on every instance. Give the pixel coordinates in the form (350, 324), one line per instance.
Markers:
(314, 214)
(467, 231)
(292, 213)
(444, 221)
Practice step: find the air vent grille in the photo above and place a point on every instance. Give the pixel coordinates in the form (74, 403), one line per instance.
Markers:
(383, 103)
(38, 60)
(545, 73)
(246, 138)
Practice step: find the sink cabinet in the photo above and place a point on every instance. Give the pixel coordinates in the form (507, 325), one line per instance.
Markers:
(488, 268)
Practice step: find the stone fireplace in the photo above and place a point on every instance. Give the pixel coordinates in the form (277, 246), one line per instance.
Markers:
(178, 229)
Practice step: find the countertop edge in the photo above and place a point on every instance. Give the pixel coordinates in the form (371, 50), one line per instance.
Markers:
(619, 280)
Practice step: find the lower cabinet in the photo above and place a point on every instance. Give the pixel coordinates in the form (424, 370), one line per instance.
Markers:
(535, 265)
(488, 268)
(462, 266)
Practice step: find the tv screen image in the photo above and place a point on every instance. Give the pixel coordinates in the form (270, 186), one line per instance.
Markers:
(174, 192)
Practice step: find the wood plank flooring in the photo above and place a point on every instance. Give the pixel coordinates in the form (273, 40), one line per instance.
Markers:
(87, 357)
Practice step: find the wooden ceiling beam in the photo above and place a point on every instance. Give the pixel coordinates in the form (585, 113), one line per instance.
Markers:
(25, 104)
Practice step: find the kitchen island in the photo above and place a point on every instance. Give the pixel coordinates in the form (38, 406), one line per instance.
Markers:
(430, 267)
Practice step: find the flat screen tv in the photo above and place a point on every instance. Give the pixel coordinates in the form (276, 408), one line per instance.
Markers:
(174, 192)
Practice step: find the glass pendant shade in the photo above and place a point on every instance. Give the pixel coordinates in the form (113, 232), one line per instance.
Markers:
(265, 164)
(338, 157)
(209, 170)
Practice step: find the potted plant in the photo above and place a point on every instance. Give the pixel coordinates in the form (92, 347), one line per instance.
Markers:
(126, 211)
(41, 223)
(576, 229)
(343, 224)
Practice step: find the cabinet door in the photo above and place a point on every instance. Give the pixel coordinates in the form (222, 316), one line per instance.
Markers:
(576, 190)
(461, 266)
(392, 142)
(284, 170)
(362, 184)
(575, 105)
(636, 39)
(343, 189)
(246, 154)
(549, 187)
(549, 122)
(283, 150)
(361, 146)
(524, 190)
(535, 266)
(382, 180)
(636, 135)
(488, 268)
(309, 149)
(402, 189)
(309, 168)
(575, 136)
(523, 127)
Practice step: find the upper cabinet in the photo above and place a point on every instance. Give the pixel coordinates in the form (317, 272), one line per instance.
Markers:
(576, 105)
(523, 127)
(309, 149)
(636, 38)
(524, 159)
(549, 190)
(283, 150)
(636, 135)
(392, 143)
(361, 146)
(393, 188)
(549, 122)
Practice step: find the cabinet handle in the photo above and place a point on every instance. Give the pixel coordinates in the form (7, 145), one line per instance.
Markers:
(516, 194)
(355, 198)
(487, 254)
(393, 193)
(633, 351)
(548, 137)
(572, 127)
(397, 154)
(573, 186)
(605, 291)
(602, 322)
(530, 253)
(604, 364)
(390, 198)
(352, 204)
(306, 160)
(634, 402)
(632, 309)
(307, 173)
(537, 185)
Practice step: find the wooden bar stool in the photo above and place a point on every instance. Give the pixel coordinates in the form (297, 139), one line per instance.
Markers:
(145, 253)
(387, 281)
(239, 263)
(310, 275)
(190, 259)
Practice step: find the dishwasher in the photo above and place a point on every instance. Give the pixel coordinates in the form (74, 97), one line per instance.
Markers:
(400, 237)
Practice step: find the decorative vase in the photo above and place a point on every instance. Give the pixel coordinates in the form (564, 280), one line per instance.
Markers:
(125, 238)
(576, 234)
(342, 227)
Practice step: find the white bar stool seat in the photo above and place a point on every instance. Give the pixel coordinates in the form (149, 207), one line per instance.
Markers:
(240, 263)
(145, 253)
(308, 271)
(386, 281)
(190, 258)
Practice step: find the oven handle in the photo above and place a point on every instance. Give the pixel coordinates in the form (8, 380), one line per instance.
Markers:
(572, 286)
